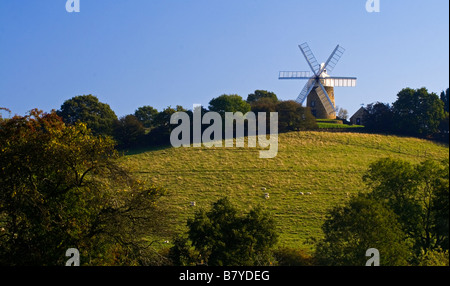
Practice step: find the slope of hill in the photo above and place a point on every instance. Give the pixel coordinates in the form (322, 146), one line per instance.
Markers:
(330, 166)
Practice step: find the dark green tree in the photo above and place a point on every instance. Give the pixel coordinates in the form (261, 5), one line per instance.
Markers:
(229, 103)
(146, 115)
(444, 125)
(418, 112)
(160, 134)
(259, 94)
(128, 131)
(362, 224)
(222, 237)
(98, 116)
(379, 118)
(445, 98)
(264, 105)
(418, 194)
(61, 187)
(292, 116)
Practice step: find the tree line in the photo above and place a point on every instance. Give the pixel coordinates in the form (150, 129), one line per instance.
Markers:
(416, 112)
(150, 127)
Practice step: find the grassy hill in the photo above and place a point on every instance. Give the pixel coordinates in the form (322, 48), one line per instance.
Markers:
(328, 165)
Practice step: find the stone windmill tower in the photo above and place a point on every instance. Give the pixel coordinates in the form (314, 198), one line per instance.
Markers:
(319, 90)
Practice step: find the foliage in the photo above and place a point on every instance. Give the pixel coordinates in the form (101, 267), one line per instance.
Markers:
(379, 118)
(5, 109)
(183, 254)
(360, 225)
(417, 112)
(229, 103)
(60, 187)
(342, 113)
(435, 257)
(418, 194)
(129, 132)
(160, 134)
(264, 105)
(288, 256)
(146, 115)
(292, 116)
(445, 99)
(98, 116)
(414, 113)
(260, 94)
(224, 238)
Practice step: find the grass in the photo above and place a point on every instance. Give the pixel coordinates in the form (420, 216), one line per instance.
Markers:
(335, 124)
(329, 165)
(323, 125)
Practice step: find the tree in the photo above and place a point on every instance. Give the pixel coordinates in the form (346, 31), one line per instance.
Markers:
(4, 109)
(146, 115)
(444, 125)
(98, 116)
(61, 187)
(160, 134)
(380, 117)
(222, 237)
(419, 196)
(436, 257)
(418, 112)
(445, 98)
(292, 116)
(342, 114)
(264, 105)
(128, 131)
(229, 103)
(362, 224)
(260, 94)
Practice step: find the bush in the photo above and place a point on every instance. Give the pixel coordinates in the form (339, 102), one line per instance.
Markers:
(286, 256)
(292, 116)
(352, 229)
(221, 237)
(436, 257)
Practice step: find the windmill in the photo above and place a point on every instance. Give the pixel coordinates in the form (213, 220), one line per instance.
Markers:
(319, 89)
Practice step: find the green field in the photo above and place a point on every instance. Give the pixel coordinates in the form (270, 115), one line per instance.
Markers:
(328, 165)
(334, 124)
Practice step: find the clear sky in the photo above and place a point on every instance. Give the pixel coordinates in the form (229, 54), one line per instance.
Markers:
(185, 52)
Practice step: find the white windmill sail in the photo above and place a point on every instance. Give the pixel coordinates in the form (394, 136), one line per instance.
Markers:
(320, 77)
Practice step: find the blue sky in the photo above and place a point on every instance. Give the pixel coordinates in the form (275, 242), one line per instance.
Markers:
(185, 52)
